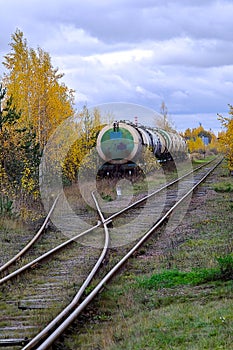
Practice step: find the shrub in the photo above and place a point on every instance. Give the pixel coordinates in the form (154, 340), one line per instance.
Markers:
(226, 267)
(6, 206)
(223, 187)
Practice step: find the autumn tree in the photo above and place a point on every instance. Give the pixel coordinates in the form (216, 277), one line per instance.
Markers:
(200, 140)
(36, 89)
(33, 103)
(19, 151)
(9, 166)
(226, 138)
(163, 121)
(88, 125)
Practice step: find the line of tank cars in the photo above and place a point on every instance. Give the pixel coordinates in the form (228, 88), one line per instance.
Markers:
(120, 144)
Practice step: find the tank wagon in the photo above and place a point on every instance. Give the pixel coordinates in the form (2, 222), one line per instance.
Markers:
(120, 144)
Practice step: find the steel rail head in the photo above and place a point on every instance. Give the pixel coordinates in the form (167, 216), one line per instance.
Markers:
(54, 324)
(6, 278)
(66, 323)
(141, 200)
(33, 240)
(98, 207)
(45, 255)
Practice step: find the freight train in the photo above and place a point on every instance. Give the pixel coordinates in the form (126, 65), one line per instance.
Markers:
(120, 144)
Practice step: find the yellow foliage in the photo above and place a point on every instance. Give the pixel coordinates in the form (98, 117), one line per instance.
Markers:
(195, 145)
(35, 88)
(226, 138)
(195, 142)
(88, 125)
(40, 102)
(28, 183)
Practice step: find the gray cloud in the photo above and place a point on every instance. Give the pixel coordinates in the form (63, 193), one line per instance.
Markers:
(144, 52)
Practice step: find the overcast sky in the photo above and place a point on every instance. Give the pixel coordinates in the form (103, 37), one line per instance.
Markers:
(135, 51)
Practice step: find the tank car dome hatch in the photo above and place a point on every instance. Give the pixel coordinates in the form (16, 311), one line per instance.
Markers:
(118, 143)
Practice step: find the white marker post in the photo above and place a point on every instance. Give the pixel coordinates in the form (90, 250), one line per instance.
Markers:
(118, 190)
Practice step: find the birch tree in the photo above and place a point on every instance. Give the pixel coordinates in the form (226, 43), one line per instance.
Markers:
(36, 89)
(226, 139)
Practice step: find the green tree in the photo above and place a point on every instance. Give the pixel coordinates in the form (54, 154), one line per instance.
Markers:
(19, 151)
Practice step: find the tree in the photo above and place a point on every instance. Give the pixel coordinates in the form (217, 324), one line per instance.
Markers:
(163, 121)
(19, 151)
(200, 140)
(2, 95)
(36, 89)
(33, 102)
(88, 126)
(226, 139)
(195, 145)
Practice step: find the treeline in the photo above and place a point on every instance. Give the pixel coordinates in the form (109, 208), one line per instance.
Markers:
(200, 140)
(226, 138)
(19, 151)
(33, 103)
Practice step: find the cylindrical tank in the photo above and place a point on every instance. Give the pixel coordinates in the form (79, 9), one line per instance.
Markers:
(145, 136)
(121, 142)
(165, 135)
(118, 143)
(161, 145)
(174, 143)
(178, 144)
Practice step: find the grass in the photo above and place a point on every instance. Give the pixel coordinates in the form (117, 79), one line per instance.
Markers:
(176, 293)
(179, 326)
(224, 186)
(171, 278)
(203, 159)
(157, 321)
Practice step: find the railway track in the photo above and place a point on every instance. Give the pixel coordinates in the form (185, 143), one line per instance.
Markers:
(30, 244)
(174, 198)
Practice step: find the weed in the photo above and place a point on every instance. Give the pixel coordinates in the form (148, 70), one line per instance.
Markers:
(224, 186)
(171, 278)
(226, 267)
(107, 197)
(6, 206)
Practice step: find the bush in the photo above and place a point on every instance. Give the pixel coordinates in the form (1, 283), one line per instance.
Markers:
(6, 206)
(107, 197)
(223, 187)
(226, 267)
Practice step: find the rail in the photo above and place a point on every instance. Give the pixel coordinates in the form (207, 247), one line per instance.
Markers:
(61, 246)
(33, 240)
(68, 319)
(56, 321)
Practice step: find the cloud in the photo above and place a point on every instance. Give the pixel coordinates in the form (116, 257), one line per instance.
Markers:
(129, 21)
(174, 71)
(144, 52)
